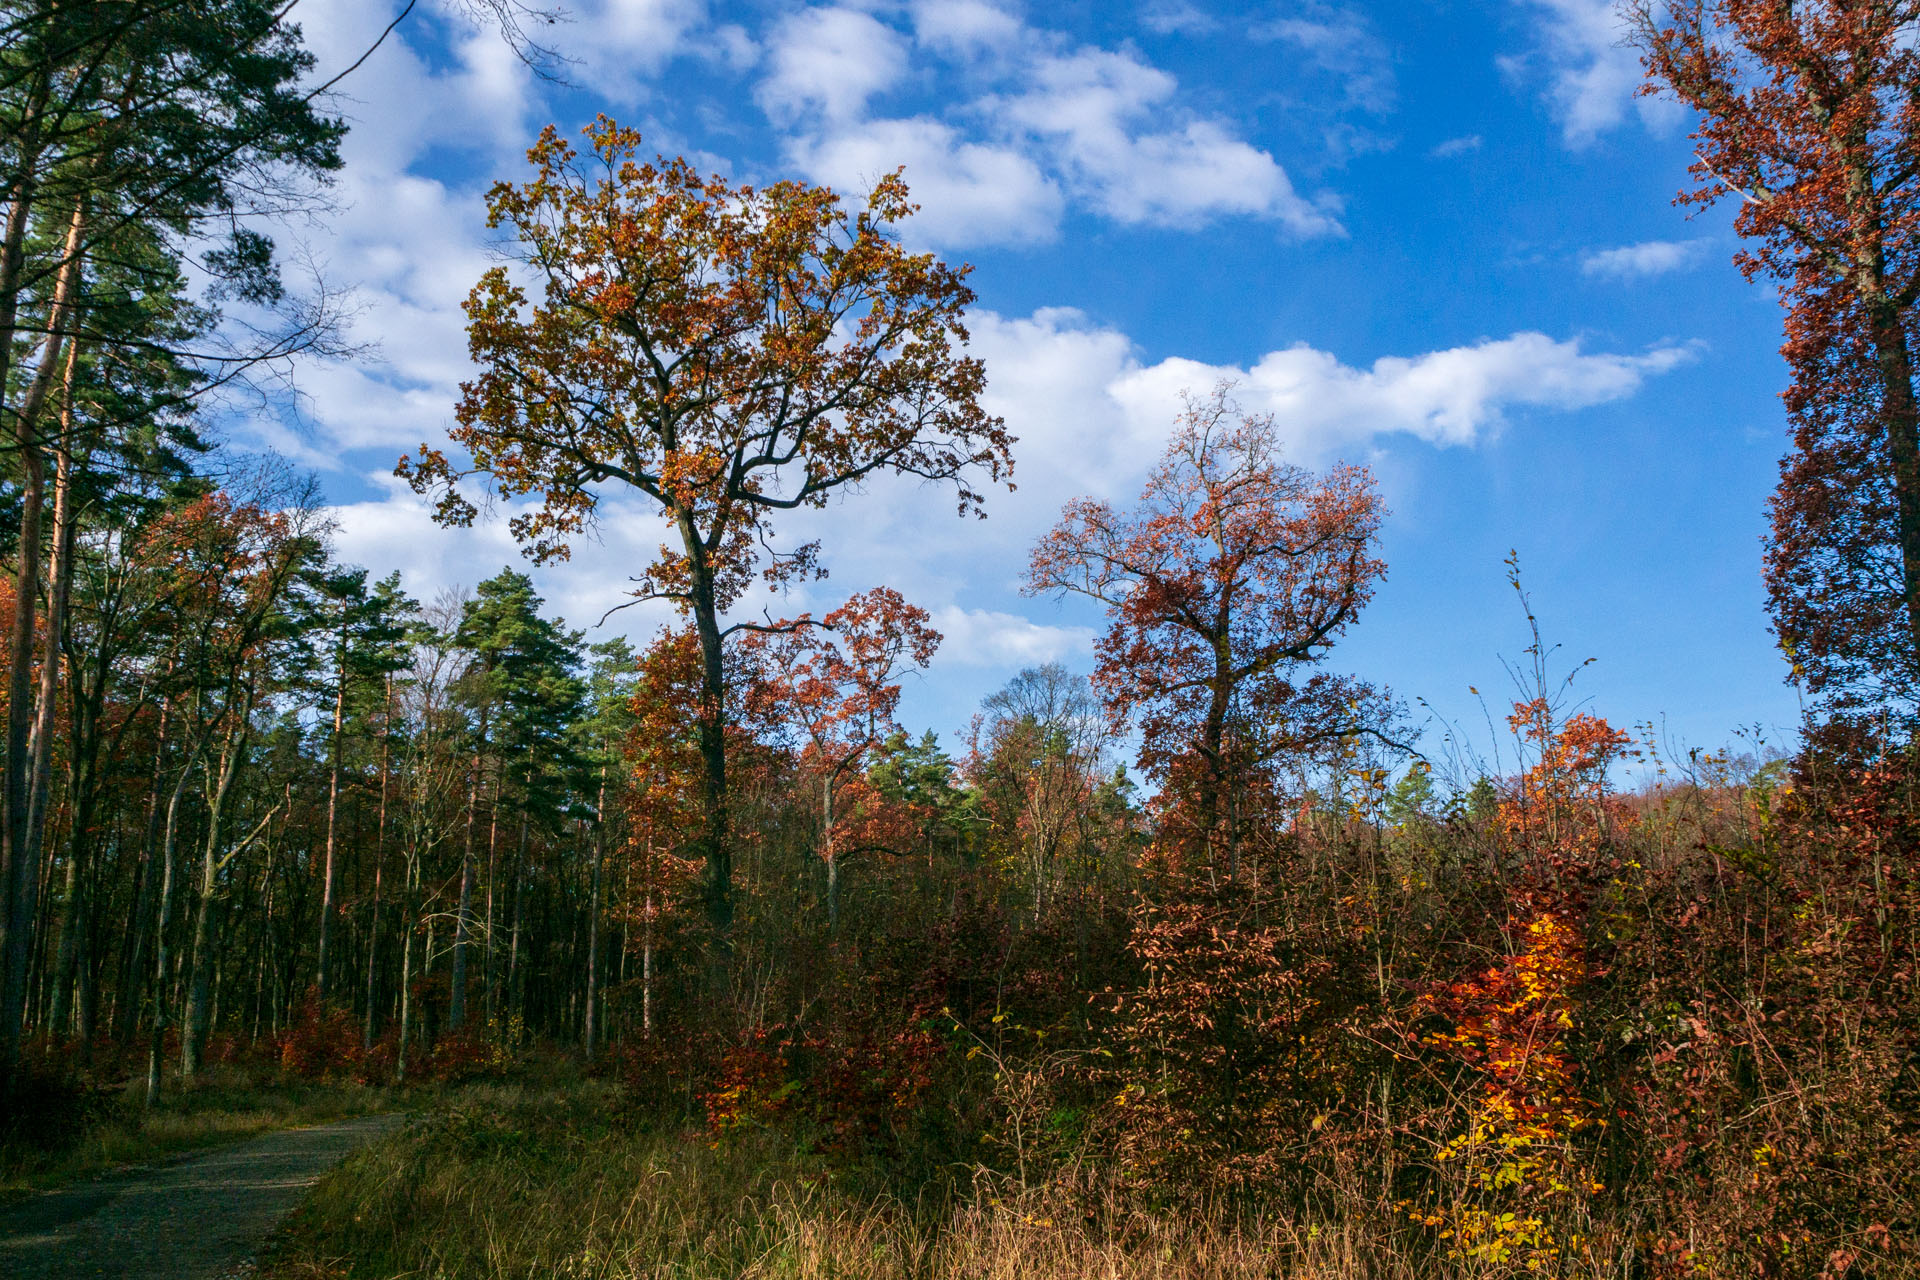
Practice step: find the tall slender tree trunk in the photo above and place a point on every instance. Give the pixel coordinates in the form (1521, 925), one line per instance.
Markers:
(457, 999)
(646, 951)
(162, 932)
(486, 942)
(193, 1035)
(410, 896)
(321, 964)
(59, 587)
(22, 198)
(379, 863)
(514, 991)
(21, 847)
(589, 1022)
(127, 1008)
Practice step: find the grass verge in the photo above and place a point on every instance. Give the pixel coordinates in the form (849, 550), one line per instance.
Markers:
(510, 1182)
(77, 1135)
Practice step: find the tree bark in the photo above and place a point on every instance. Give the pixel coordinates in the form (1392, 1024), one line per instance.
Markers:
(127, 1008)
(457, 999)
(333, 812)
(17, 922)
(162, 952)
(590, 1018)
(379, 864)
(193, 1034)
(61, 581)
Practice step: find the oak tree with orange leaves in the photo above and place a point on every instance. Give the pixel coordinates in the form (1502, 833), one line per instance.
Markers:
(1224, 587)
(724, 353)
(1809, 117)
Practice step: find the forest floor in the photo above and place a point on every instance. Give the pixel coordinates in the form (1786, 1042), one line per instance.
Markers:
(192, 1218)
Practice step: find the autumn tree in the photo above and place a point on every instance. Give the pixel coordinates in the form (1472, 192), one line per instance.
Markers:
(1809, 117)
(722, 352)
(1035, 752)
(838, 685)
(1224, 588)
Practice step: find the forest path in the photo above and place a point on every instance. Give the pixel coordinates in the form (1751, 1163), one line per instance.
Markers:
(191, 1219)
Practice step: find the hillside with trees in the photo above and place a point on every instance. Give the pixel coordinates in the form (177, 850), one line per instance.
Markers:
(692, 957)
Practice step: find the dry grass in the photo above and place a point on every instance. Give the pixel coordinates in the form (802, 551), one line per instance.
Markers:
(103, 1131)
(504, 1184)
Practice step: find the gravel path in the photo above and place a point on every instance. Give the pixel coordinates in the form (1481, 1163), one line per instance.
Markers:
(191, 1219)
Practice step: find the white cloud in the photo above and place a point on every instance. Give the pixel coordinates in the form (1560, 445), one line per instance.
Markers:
(989, 638)
(1648, 258)
(1091, 416)
(1086, 107)
(1342, 44)
(830, 61)
(1176, 17)
(624, 40)
(1450, 397)
(1102, 127)
(1460, 146)
(965, 28)
(968, 193)
(1591, 73)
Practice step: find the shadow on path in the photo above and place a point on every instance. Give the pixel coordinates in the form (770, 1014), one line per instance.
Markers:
(187, 1219)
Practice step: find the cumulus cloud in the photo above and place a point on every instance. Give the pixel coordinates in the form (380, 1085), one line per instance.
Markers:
(1057, 122)
(1590, 73)
(1648, 258)
(1463, 145)
(1095, 109)
(619, 44)
(831, 61)
(965, 28)
(968, 192)
(1092, 415)
(1446, 398)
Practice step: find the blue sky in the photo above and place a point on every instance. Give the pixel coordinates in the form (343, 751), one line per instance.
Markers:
(1437, 239)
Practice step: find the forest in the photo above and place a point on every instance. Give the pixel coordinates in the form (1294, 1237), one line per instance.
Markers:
(687, 956)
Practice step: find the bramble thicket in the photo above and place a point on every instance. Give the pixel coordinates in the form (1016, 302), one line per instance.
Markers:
(1208, 962)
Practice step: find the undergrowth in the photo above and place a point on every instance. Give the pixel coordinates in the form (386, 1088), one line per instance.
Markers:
(510, 1182)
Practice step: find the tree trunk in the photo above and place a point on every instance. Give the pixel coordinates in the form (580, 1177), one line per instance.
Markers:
(486, 941)
(162, 952)
(514, 994)
(59, 586)
(590, 1020)
(457, 999)
(22, 850)
(833, 863)
(410, 895)
(379, 863)
(715, 842)
(126, 1011)
(193, 1034)
(333, 812)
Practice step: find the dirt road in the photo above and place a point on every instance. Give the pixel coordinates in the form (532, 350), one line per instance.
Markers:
(191, 1219)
